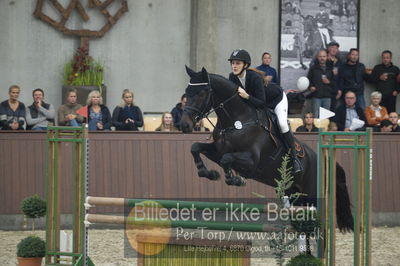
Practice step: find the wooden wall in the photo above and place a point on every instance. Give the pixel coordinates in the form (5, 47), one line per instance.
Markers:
(159, 165)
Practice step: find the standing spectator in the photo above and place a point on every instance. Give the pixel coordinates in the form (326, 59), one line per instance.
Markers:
(351, 77)
(375, 113)
(308, 124)
(167, 123)
(394, 118)
(127, 116)
(270, 72)
(177, 111)
(384, 75)
(99, 117)
(40, 113)
(386, 126)
(12, 111)
(335, 63)
(321, 83)
(67, 115)
(345, 113)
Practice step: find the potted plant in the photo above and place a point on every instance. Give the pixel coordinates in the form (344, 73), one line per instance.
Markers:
(84, 74)
(30, 251)
(33, 207)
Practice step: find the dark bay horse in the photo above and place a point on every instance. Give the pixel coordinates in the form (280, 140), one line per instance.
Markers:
(243, 145)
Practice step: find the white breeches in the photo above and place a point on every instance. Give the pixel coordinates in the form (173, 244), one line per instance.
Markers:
(281, 111)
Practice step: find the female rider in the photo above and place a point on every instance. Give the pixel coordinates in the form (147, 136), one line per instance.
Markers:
(251, 88)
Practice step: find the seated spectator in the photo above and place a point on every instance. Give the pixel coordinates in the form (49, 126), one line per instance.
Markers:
(99, 117)
(386, 126)
(12, 111)
(332, 126)
(347, 112)
(177, 111)
(375, 113)
(167, 123)
(308, 124)
(394, 118)
(67, 115)
(127, 116)
(199, 126)
(40, 114)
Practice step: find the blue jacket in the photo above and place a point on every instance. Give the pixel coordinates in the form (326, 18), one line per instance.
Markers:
(177, 112)
(269, 71)
(120, 114)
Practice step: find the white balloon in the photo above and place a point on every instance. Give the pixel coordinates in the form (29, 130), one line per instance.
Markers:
(303, 83)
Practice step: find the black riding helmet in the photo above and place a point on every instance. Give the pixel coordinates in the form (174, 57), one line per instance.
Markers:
(241, 55)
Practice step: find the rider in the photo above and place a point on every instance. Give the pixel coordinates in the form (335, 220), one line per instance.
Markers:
(251, 88)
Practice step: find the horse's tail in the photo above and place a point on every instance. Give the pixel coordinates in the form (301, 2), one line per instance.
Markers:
(344, 216)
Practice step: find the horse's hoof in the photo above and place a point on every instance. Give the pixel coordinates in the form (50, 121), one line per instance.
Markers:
(236, 181)
(210, 174)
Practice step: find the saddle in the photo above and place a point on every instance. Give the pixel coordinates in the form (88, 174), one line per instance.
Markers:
(276, 135)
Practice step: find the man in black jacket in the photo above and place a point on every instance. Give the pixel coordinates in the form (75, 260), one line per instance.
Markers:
(351, 77)
(321, 83)
(177, 112)
(345, 114)
(384, 75)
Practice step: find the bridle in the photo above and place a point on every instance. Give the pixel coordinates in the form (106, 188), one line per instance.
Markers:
(200, 113)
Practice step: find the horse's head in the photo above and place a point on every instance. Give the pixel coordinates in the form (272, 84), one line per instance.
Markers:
(198, 94)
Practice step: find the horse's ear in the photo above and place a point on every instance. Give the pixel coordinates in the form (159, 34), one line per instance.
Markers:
(189, 71)
(204, 73)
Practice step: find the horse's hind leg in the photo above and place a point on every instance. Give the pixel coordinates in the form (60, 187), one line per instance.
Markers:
(209, 150)
(240, 160)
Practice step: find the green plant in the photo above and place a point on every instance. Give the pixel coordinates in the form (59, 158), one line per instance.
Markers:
(31, 247)
(33, 207)
(307, 225)
(83, 70)
(304, 260)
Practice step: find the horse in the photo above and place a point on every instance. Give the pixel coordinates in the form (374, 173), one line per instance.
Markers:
(244, 145)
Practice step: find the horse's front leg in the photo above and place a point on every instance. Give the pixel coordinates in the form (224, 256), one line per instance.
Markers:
(210, 151)
(238, 160)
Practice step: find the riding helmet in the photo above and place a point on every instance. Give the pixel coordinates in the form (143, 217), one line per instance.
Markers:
(241, 55)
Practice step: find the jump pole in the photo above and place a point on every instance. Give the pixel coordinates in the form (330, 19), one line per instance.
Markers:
(361, 144)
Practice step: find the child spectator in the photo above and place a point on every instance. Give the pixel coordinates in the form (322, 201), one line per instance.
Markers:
(12, 111)
(394, 118)
(308, 124)
(127, 116)
(167, 123)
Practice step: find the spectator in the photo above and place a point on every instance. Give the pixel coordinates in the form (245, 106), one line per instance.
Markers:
(384, 75)
(321, 83)
(270, 72)
(386, 126)
(375, 113)
(347, 112)
(177, 111)
(332, 126)
(199, 126)
(40, 114)
(99, 117)
(335, 63)
(394, 118)
(308, 124)
(167, 123)
(127, 116)
(67, 115)
(351, 77)
(12, 111)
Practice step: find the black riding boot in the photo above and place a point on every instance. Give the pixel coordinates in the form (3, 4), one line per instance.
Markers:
(297, 166)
